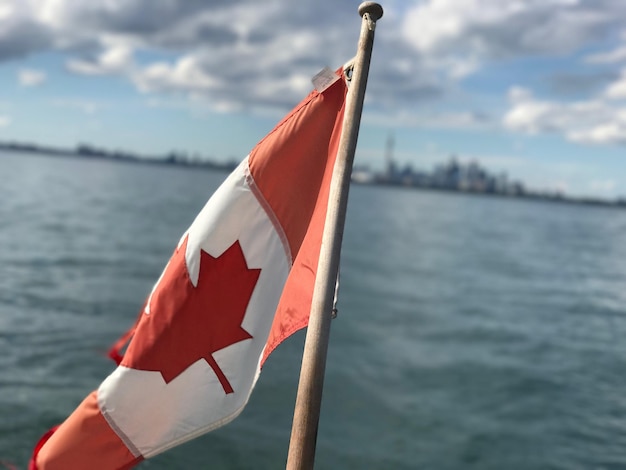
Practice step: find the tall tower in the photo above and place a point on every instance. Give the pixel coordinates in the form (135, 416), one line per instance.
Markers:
(391, 165)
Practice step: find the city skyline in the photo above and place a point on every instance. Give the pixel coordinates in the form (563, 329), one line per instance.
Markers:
(535, 88)
(451, 175)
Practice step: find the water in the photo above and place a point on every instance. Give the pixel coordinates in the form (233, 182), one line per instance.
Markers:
(473, 332)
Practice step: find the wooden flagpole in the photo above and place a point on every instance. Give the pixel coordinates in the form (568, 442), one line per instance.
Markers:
(308, 401)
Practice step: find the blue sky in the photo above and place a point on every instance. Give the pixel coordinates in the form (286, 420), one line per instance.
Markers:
(536, 88)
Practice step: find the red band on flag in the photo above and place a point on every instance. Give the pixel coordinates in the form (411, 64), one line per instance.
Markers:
(84, 440)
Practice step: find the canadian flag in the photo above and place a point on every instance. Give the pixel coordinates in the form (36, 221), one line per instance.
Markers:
(239, 282)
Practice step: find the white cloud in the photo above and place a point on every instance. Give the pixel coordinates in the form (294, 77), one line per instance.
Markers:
(458, 38)
(6, 11)
(30, 77)
(617, 89)
(518, 94)
(236, 54)
(4, 121)
(531, 117)
(186, 74)
(496, 28)
(259, 75)
(611, 57)
(115, 60)
(593, 121)
(603, 133)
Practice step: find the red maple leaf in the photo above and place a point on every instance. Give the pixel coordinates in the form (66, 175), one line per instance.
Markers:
(187, 323)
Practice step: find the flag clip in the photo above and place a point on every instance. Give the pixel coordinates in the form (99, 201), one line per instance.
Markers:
(335, 311)
(324, 78)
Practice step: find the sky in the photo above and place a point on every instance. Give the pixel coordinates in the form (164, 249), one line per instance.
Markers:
(533, 88)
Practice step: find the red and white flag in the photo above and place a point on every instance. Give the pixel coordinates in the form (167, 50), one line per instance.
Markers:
(239, 282)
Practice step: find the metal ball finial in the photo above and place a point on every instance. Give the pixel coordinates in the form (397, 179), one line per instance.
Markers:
(374, 9)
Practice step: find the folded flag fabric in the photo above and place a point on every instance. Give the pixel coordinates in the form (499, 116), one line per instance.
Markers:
(239, 282)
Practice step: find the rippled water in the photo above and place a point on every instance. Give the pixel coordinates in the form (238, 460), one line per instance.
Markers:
(473, 332)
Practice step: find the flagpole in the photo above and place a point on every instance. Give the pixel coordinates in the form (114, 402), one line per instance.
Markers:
(309, 397)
